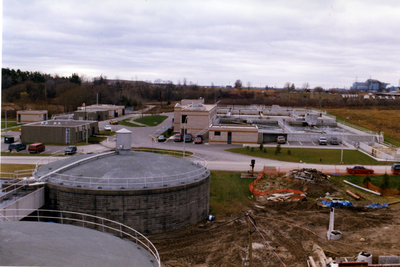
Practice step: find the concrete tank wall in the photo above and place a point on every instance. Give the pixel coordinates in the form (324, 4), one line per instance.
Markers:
(148, 211)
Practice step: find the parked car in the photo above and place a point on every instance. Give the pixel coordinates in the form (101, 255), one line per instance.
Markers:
(8, 139)
(281, 139)
(334, 141)
(198, 140)
(188, 138)
(36, 148)
(107, 127)
(161, 138)
(323, 141)
(359, 170)
(70, 150)
(178, 137)
(18, 146)
(113, 122)
(396, 169)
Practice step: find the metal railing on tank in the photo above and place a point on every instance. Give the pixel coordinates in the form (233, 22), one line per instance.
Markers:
(84, 220)
(200, 172)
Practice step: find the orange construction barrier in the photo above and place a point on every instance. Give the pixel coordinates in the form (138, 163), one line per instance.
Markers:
(297, 193)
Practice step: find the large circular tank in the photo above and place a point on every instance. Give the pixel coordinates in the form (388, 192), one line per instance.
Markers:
(27, 243)
(150, 192)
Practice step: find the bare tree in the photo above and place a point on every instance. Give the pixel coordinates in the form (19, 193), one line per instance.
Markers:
(305, 86)
(238, 84)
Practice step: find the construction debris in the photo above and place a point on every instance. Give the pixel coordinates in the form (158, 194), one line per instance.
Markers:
(362, 188)
(309, 175)
(378, 206)
(336, 203)
(353, 195)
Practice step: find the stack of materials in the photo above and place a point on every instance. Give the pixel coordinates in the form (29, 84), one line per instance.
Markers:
(309, 175)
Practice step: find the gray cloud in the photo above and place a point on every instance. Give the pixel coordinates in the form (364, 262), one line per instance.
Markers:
(326, 43)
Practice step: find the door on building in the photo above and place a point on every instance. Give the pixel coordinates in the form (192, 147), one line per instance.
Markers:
(67, 136)
(229, 137)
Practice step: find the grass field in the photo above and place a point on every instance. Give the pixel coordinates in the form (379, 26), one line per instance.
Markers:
(152, 120)
(15, 167)
(127, 122)
(26, 153)
(385, 120)
(108, 133)
(324, 156)
(377, 180)
(229, 194)
(9, 124)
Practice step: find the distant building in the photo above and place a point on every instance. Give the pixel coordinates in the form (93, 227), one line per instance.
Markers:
(233, 134)
(99, 112)
(369, 85)
(27, 116)
(58, 131)
(393, 89)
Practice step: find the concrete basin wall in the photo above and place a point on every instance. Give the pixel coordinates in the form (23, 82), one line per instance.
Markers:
(148, 211)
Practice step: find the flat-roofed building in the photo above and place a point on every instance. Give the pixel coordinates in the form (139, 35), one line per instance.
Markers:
(233, 134)
(92, 115)
(27, 116)
(58, 131)
(193, 116)
(111, 111)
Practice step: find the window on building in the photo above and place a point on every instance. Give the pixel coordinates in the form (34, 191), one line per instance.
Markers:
(184, 118)
(217, 133)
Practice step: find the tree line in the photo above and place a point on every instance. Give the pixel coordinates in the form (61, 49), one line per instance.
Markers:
(23, 88)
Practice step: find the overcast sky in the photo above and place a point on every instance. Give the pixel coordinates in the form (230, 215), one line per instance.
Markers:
(325, 43)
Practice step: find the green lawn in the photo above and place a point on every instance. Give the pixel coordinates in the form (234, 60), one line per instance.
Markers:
(9, 124)
(127, 122)
(3, 154)
(16, 167)
(152, 120)
(108, 133)
(377, 180)
(229, 194)
(308, 155)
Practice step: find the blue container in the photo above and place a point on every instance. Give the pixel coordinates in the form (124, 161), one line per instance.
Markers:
(211, 218)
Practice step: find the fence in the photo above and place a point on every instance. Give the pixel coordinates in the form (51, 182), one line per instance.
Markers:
(85, 220)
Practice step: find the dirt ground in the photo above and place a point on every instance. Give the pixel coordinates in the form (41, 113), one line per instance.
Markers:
(290, 229)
